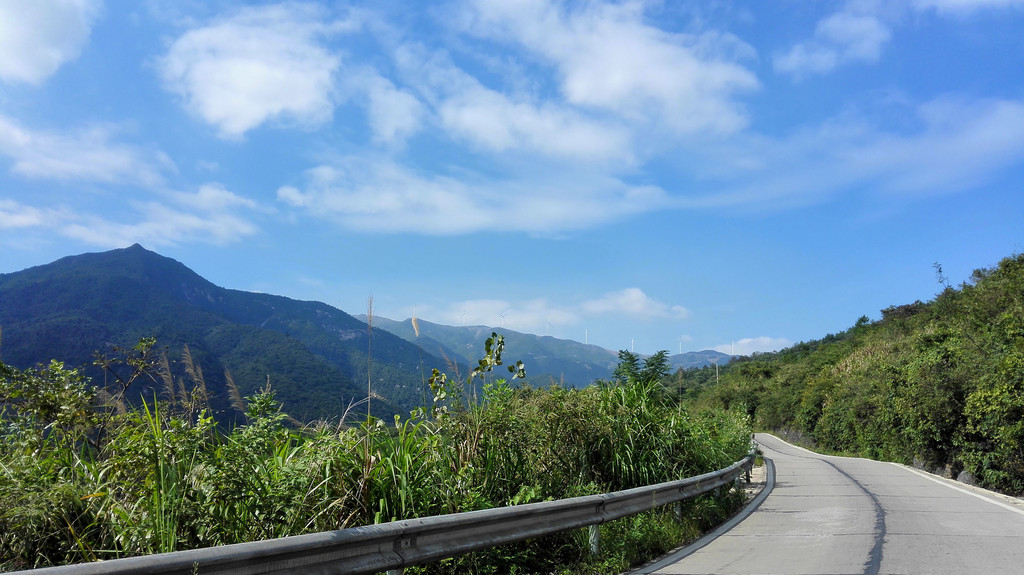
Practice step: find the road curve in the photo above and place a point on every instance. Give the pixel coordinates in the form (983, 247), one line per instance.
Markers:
(839, 515)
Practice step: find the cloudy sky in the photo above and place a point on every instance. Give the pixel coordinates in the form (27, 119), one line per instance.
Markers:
(657, 175)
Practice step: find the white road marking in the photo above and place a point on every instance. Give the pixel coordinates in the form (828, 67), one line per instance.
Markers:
(983, 497)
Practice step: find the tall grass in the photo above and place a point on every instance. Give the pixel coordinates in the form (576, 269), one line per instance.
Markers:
(164, 477)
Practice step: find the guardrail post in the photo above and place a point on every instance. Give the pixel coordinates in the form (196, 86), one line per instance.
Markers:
(677, 507)
(399, 571)
(594, 533)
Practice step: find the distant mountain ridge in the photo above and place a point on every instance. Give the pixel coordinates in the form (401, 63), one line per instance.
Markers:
(694, 359)
(312, 354)
(548, 359)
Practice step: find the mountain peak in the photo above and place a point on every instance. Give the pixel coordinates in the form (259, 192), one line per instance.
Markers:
(79, 305)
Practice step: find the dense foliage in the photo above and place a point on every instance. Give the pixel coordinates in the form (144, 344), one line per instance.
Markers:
(937, 384)
(84, 478)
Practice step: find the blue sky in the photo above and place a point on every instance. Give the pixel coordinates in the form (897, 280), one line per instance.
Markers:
(657, 175)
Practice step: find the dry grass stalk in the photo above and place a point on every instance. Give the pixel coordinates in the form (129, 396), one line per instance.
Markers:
(236, 398)
(164, 371)
(369, 354)
(200, 395)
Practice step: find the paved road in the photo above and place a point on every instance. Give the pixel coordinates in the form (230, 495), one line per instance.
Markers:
(837, 515)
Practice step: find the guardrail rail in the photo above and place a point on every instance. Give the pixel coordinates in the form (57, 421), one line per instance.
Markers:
(399, 544)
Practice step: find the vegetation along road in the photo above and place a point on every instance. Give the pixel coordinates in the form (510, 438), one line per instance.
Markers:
(830, 515)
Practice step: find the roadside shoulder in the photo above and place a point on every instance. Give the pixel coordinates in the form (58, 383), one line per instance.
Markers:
(1009, 502)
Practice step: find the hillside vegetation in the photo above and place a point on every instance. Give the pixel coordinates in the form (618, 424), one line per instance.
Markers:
(84, 477)
(939, 384)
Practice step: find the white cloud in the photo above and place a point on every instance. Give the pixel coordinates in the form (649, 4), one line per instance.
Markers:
(212, 198)
(293, 197)
(538, 315)
(498, 122)
(38, 36)
(262, 64)
(859, 31)
(208, 166)
(394, 114)
(635, 303)
(609, 58)
(838, 39)
(962, 144)
(530, 316)
(14, 215)
(964, 6)
(858, 37)
(494, 121)
(84, 154)
(369, 194)
(750, 345)
(160, 225)
(207, 215)
(957, 144)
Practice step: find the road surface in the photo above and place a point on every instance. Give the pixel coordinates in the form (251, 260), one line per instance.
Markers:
(839, 515)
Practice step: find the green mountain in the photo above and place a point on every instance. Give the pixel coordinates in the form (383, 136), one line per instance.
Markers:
(313, 355)
(695, 359)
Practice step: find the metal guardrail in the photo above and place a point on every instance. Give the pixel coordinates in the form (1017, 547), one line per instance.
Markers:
(400, 544)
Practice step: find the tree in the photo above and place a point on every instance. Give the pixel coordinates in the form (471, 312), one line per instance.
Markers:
(628, 368)
(656, 367)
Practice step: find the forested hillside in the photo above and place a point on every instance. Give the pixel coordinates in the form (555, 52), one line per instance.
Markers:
(937, 384)
(315, 356)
